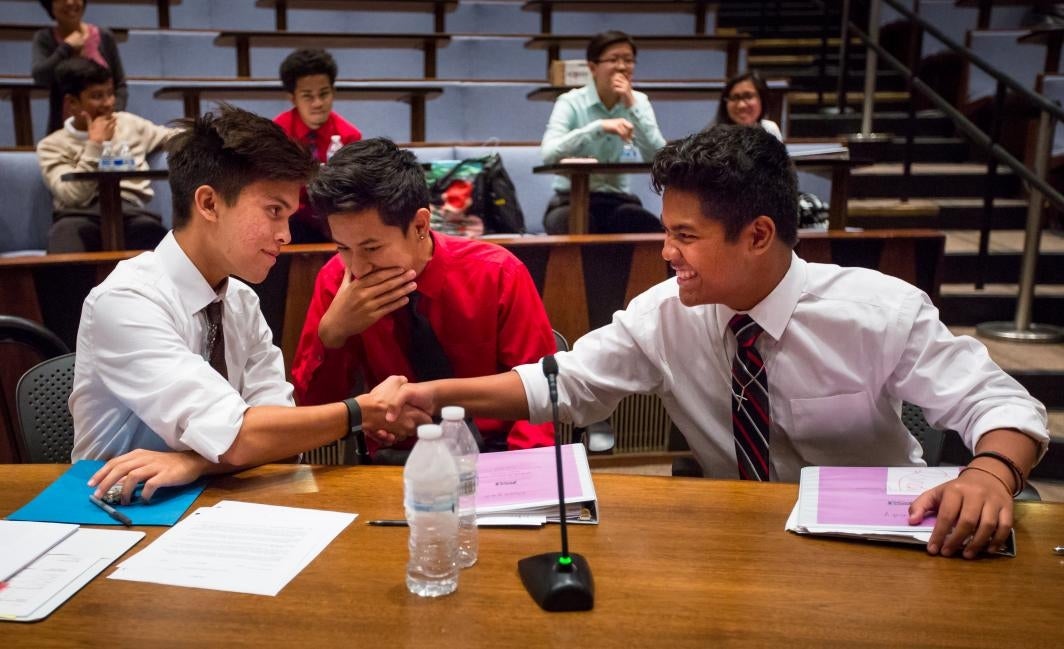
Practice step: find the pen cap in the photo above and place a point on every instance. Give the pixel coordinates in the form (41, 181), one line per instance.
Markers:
(453, 413)
(428, 431)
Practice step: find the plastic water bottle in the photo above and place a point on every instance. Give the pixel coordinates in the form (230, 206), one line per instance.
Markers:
(334, 145)
(464, 448)
(628, 153)
(107, 157)
(430, 481)
(128, 162)
(118, 158)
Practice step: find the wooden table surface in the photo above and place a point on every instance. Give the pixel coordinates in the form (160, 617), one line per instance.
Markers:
(676, 563)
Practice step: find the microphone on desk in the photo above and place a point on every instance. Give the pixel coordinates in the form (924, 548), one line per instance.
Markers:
(558, 581)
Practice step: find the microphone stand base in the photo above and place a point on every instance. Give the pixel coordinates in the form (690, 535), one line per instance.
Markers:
(556, 587)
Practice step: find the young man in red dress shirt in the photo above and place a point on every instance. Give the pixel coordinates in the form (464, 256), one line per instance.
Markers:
(477, 298)
(309, 78)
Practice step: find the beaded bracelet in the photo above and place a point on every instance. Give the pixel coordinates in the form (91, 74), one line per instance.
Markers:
(991, 473)
(1007, 461)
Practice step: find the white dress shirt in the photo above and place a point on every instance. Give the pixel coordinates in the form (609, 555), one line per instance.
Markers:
(141, 379)
(843, 347)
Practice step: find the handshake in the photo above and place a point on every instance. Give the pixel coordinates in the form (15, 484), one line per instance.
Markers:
(395, 408)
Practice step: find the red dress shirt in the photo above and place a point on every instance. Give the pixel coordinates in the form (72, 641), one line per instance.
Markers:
(483, 307)
(296, 129)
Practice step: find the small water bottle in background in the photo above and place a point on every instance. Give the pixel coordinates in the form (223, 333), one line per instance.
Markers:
(430, 481)
(334, 145)
(107, 157)
(118, 160)
(628, 153)
(464, 448)
(128, 162)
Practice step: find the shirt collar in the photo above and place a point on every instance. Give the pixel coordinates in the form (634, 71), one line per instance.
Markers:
(774, 312)
(300, 130)
(70, 128)
(432, 281)
(593, 96)
(192, 288)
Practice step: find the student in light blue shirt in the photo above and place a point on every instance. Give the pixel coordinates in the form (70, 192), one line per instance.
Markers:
(599, 121)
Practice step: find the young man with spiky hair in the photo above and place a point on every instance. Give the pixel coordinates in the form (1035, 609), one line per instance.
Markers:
(176, 373)
(768, 363)
(309, 79)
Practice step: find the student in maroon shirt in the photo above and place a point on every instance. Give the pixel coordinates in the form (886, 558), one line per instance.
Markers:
(309, 78)
(477, 299)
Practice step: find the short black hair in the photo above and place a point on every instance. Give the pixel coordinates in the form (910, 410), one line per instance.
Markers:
(599, 42)
(303, 63)
(47, 4)
(76, 74)
(372, 174)
(228, 151)
(759, 85)
(738, 174)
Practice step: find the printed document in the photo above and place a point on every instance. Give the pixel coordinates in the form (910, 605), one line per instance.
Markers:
(236, 546)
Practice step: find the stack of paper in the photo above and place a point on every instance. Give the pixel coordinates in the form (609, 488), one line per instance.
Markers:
(525, 483)
(867, 502)
(57, 571)
(236, 546)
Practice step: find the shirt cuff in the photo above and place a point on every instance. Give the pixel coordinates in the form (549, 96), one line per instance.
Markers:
(1025, 420)
(215, 433)
(536, 392)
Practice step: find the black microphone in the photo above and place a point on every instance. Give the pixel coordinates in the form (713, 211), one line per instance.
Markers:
(558, 581)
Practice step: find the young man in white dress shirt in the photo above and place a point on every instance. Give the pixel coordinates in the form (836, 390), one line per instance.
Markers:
(159, 390)
(841, 348)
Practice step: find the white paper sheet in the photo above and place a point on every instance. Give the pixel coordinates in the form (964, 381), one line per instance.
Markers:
(238, 547)
(41, 587)
(22, 542)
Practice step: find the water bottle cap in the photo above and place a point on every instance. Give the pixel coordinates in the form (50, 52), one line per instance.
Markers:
(453, 413)
(429, 431)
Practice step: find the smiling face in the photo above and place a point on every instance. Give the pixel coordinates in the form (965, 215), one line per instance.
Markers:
(744, 104)
(313, 99)
(247, 235)
(68, 13)
(96, 100)
(367, 244)
(615, 59)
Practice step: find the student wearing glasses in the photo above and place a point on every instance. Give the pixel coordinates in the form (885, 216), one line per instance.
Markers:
(599, 121)
(742, 104)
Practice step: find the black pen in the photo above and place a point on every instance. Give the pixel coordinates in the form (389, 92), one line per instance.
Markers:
(111, 511)
(388, 523)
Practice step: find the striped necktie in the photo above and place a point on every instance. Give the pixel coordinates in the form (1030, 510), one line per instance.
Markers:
(216, 338)
(750, 409)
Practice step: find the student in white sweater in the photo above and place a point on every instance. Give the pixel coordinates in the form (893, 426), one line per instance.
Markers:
(88, 91)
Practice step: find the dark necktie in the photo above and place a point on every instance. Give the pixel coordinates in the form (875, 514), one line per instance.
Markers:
(750, 411)
(427, 358)
(312, 144)
(216, 338)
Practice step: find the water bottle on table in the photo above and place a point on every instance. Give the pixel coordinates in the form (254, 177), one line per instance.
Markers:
(107, 157)
(334, 145)
(430, 481)
(464, 447)
(628, 153)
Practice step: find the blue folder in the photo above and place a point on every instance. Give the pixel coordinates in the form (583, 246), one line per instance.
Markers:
(67, 501)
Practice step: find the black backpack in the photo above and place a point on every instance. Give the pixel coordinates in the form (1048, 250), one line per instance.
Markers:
(494, 198)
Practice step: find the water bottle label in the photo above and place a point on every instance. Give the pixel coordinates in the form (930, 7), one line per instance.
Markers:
(436, 504)
(467, 485)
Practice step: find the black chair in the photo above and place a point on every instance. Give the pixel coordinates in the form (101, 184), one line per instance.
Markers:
(599, 436)
(934, 442)
(14, 329)
(44, 418)
(18, 335)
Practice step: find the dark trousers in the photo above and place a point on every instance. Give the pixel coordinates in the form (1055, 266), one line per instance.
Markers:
(79, 230)
(609, 213)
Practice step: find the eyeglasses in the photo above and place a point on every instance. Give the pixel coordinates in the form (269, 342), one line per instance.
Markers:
(618, 60)
(741, 97)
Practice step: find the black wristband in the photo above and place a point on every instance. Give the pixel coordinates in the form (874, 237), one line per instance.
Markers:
(1007, 461)
(354, 417)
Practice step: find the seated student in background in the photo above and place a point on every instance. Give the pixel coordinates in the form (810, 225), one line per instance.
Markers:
(742, 103)
(176, 373)
(72, 38)
(309, 78)
(598, 121)
(768, 363)
(89, 95)
(400, 299)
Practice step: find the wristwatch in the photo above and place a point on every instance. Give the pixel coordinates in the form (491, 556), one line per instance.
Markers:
(354, 417)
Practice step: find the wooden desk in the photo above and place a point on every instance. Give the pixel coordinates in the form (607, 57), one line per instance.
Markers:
(411, 92)
(546, 8)
(439, 8)
(427, 43)
(579, 174)
(731, 44)
(20, 91)
(677, 563)
(110, 197)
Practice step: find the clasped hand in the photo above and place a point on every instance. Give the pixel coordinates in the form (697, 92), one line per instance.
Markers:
(974, 513)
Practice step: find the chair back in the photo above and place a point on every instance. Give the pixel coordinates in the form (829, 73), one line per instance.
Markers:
(44, 418)
(931, 439)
